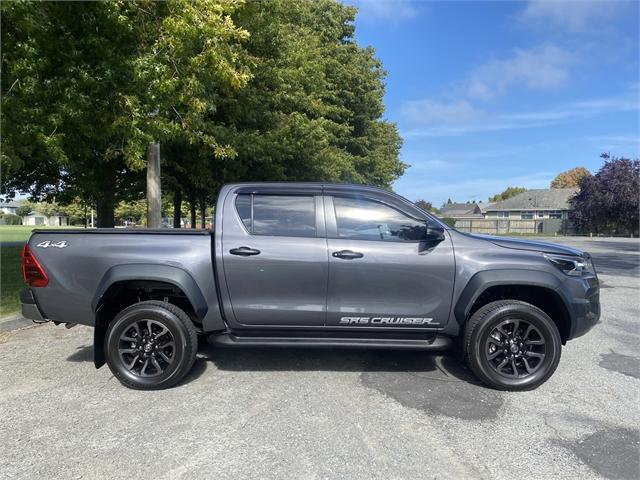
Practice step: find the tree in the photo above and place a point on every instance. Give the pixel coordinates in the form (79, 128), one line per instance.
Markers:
(24, 209)
(608, 202)
(426, 206)
(86, 86)
(313, 108)
(508, 193)
(570, 178)
(270, 90)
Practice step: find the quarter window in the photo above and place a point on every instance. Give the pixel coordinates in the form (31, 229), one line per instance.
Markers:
(279, 215)
(359, 219)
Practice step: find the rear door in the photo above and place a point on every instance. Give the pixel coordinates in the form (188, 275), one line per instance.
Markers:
(381, 275)
(275, 257)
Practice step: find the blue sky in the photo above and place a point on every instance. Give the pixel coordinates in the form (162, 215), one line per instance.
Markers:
(494, 94)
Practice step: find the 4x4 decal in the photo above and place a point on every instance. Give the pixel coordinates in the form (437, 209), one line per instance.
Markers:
(49, 243)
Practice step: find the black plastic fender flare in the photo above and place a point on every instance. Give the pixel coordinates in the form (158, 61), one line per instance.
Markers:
(483, 280)
(153, 272)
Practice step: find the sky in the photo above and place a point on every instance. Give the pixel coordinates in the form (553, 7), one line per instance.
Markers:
(488, 95)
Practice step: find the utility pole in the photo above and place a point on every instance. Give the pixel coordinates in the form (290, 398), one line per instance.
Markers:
(154, 196)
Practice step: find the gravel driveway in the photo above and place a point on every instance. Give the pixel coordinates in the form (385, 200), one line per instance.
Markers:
(330, 413)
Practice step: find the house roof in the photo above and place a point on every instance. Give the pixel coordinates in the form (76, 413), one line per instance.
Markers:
(458, 209)
(540, 199)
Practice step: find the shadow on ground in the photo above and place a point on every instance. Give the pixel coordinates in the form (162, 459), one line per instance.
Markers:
(436, 384)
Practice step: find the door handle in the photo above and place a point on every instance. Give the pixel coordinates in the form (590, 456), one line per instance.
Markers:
(244, 251)
(347, 254)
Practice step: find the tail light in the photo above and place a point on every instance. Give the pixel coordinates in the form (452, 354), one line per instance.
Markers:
(32, 272)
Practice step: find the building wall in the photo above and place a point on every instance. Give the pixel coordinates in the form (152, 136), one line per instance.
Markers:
(537, 214)
(44, 221)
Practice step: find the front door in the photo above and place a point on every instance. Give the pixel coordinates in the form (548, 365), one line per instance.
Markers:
(275, 259)
(381, 275)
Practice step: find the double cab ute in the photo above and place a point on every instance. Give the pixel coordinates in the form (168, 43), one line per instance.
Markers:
(312, 265)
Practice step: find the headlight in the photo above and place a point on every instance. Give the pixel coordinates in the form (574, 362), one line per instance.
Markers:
(574, 266)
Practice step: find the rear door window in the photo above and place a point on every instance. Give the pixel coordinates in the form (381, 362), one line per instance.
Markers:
(278, 215)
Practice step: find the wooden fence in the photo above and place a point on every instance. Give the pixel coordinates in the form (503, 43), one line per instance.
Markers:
(548, 226)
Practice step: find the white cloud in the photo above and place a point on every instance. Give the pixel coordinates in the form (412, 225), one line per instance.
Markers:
(541, 68)
(429, 112)
(486, 122)
(572, 15)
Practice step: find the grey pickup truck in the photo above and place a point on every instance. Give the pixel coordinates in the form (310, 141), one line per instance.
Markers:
(312, 265)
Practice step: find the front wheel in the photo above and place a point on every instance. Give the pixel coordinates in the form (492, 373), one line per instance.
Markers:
(151, 345)
(512, 345)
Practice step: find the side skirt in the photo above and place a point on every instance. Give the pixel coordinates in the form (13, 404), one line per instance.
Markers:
(423, 342)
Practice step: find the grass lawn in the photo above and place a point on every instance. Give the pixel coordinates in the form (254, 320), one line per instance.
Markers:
(10, 280)
(18, 233)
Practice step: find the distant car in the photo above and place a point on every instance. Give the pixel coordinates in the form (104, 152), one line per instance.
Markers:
(312, 265)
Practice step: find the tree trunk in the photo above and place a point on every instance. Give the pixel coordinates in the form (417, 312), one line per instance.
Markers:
(203, 220)
(105, 206)
(154, 196)
(177, 208)
(192, 209)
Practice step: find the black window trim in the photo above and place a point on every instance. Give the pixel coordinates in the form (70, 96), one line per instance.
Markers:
(276, 193)
(334, 218)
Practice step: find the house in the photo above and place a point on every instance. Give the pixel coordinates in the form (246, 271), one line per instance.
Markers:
(41, 219)
(547, 203)
(8, 207)
(461, 210)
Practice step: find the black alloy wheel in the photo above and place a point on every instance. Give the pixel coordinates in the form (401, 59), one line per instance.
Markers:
(151, 345)
(512, 345)
(515, 348)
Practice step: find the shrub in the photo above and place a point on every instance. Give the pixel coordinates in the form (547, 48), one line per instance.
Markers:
(11, 219)
(449, 221)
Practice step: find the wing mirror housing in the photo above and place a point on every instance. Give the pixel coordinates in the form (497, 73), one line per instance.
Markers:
(434, 233)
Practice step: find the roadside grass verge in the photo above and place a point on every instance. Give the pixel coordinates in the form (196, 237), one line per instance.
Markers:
(18, 233)
(10, 280)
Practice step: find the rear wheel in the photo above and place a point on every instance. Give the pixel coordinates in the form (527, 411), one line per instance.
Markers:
(151, 345)
(512, 345)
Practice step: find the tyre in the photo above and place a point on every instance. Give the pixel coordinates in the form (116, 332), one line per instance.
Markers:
(512, 345)
(151, 345)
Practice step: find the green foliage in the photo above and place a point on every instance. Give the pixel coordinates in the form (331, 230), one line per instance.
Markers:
(11, 219)
(449, 221)
(135, 212)
(24, 209)
(77, 212)
(10, 280)
(427, 206)
(89, 85)
(508, 193)
(269, 90)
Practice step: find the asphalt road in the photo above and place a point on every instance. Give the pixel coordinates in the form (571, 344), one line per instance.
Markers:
(329, 413)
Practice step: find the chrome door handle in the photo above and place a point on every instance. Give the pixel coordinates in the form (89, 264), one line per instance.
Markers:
(347, 254)
(244, 251)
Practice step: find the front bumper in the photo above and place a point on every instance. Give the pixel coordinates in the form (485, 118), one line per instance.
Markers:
(30, 308)
(585, 306)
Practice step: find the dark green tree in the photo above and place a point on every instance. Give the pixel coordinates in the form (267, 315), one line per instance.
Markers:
(507, 193)
(87, 85)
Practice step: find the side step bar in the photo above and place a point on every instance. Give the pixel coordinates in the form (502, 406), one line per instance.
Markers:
(436, 343)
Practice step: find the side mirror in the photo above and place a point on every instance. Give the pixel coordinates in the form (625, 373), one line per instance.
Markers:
(434, 233)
